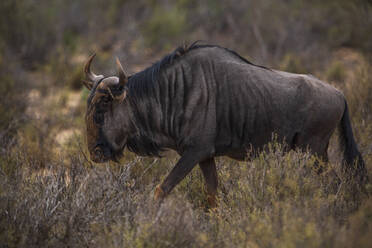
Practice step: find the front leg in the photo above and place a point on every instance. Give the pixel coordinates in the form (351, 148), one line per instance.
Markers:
(208, 167)
(183, 167)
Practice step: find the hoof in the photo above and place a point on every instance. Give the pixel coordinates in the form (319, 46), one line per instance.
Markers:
(159, 193)
(212, 202)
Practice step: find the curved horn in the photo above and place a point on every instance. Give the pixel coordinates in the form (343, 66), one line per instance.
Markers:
(123, 79)
(88, 73)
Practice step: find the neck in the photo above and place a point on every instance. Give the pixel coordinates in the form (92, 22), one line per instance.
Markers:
(147, 136)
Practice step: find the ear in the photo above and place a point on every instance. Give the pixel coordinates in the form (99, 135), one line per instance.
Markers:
(123, 80)
(120, 98)
(87, 84)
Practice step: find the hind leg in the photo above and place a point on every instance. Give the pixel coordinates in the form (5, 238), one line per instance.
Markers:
(322, 154)
(208, 168)
(315, 145)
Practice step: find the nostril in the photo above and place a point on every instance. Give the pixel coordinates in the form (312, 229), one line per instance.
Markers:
(98, 152)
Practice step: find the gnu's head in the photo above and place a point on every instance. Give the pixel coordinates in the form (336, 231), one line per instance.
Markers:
(105, 135)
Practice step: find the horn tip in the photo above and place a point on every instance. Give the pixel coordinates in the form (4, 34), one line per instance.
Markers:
(87, 65)
(118, 62)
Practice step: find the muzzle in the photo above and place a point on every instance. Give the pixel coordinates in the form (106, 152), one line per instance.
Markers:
(101, 154)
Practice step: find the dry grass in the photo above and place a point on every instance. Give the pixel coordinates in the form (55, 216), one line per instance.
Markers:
(275, 200)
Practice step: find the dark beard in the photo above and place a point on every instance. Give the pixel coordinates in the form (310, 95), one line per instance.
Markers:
(143, 146)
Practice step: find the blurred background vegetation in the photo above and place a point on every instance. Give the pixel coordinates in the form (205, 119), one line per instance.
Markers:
(51, 195)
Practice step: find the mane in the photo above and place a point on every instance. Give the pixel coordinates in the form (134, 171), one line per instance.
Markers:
(142, 83)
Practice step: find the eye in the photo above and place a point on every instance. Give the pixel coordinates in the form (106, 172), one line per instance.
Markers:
(98, 118)
(105, 99)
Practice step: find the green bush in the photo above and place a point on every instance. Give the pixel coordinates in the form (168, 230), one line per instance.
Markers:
(165, 27)
(336, 72)
(74, 78)
(292, 63)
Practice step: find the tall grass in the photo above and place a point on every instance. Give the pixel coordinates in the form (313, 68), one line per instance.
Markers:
(275, 200)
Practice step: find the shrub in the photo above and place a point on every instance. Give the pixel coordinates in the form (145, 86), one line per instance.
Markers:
(292, 63)
(165, 27)
(277, 199)
(336, 72)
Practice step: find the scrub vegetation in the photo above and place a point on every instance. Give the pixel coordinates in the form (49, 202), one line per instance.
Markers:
(52, 195)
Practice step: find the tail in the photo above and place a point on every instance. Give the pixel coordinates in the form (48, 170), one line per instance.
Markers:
(355, 166)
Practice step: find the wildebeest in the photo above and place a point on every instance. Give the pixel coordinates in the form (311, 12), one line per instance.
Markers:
(205, 101)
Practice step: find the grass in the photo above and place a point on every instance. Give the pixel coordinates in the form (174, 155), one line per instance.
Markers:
(275, 200)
